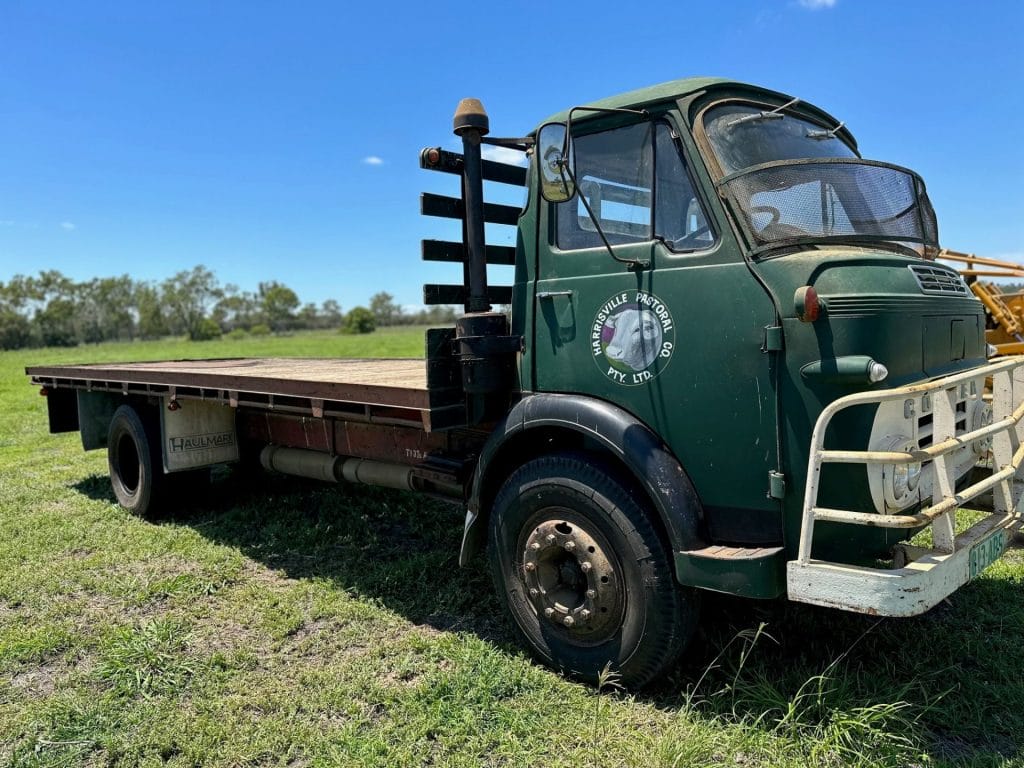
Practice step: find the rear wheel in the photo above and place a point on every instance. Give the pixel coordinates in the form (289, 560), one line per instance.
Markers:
(133, 454)
(584, 574)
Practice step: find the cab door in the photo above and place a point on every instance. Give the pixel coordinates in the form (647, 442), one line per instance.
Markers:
(671, 328)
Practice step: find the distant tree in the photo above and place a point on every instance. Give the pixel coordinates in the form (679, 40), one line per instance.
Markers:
(308, 317)
(206, 330)
(330, 314)
(104, 309)
(15, 329)
(278, 303)
(151, 323)
(56, 323)
(237, 309)
(384, 309)
(360, 320)
(188, 298)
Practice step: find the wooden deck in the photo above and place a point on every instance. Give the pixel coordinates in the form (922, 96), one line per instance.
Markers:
(378, 383)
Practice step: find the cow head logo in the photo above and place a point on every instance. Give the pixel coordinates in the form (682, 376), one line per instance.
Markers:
(632, 337)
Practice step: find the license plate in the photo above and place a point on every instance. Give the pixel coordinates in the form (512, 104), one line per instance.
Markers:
(987, 551)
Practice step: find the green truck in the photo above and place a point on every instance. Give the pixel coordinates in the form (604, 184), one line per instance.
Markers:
(730, 363)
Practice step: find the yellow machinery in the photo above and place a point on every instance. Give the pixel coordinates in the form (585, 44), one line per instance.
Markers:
(1005, 311)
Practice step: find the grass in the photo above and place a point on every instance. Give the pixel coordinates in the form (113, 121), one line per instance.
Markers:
(285, 623)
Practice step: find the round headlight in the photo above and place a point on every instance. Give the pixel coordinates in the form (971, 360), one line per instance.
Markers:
(981, 416)
(901, 480)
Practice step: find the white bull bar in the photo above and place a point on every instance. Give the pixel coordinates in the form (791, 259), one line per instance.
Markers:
(953, 560)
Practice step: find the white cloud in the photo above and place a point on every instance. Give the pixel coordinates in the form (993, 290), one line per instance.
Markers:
(67, 226)
(816, 5)
(505, 155)
(373, 160)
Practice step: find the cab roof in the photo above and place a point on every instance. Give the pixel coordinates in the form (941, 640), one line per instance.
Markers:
(677, 89)
(673, 89)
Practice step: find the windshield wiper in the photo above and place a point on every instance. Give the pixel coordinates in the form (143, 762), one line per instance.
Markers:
(774, 114)
(825, 133)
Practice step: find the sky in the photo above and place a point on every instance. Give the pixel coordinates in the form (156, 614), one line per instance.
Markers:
(279, 141)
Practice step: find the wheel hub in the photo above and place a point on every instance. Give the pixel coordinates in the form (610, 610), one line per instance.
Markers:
(570, 579)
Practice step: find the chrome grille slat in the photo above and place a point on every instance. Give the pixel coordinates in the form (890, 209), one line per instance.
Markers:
(938, 281)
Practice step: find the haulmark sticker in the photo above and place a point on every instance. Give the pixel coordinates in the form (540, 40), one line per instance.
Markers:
(633, 337)
(201, 442)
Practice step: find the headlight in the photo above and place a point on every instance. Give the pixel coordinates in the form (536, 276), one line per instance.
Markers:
(900, 481)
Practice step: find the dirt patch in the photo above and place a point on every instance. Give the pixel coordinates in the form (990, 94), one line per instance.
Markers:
(41, 680)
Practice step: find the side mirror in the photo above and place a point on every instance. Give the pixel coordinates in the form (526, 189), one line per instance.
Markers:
(556, 184)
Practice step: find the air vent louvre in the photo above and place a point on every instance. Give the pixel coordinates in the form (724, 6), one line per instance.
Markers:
(938, 280)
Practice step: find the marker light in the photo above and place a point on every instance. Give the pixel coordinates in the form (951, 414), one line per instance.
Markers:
(806, 304)
(877, 372)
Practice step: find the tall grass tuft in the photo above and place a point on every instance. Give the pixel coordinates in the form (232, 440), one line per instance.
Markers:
(607, 680)
(147, 659)
(821, 718)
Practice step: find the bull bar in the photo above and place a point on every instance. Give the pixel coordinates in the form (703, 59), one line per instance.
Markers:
(922, 576)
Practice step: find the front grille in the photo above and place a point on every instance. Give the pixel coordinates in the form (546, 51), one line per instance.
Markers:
(938, 280)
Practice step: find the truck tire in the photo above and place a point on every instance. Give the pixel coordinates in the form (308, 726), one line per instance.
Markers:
(133, 454)
(584, 574)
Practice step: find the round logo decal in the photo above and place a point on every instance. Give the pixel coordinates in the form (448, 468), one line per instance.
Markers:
(632, 337)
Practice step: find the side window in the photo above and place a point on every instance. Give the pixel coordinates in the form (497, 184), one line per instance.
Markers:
(680, 218)
(637, 185)
(615, 170)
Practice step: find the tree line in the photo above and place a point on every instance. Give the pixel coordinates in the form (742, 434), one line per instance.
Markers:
(51, 309)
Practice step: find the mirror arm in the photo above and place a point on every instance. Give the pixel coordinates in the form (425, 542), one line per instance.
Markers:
(523, 143)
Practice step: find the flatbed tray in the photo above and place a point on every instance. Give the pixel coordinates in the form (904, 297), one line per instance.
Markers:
(315, 385)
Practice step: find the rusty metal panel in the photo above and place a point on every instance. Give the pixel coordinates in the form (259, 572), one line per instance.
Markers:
(400, 445)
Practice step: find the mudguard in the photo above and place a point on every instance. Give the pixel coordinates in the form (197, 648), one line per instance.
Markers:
(648, 459)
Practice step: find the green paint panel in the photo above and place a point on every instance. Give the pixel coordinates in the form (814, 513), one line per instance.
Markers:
(757, 573)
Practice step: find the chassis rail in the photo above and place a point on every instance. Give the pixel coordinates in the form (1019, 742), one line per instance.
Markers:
(928, 575)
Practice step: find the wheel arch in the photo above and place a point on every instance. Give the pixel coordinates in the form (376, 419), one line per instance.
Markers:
(544, 423)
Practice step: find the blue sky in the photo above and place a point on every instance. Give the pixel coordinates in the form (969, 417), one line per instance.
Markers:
(145, 138)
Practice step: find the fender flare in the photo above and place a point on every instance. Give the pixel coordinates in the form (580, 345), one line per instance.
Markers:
(632, 442)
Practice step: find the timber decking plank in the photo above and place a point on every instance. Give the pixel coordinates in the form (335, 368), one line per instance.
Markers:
(377, 382)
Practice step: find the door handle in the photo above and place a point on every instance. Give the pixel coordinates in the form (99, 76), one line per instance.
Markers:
(549, 294)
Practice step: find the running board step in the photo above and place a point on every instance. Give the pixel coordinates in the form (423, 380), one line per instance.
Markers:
(758, 572)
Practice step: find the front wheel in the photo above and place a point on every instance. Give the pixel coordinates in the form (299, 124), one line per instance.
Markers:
(582, 570)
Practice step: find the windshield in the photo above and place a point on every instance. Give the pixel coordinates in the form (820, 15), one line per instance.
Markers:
(849, 199)
(791, 181)
(743, 135)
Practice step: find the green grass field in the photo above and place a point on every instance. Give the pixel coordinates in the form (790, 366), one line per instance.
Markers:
(284, 623)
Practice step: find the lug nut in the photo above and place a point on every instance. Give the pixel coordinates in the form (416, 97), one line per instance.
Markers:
(568, 621)
(530, 566)
(584, 614)
(570, 546)
(533, 592)
(591, 593)
(585, 567)
(549, 612)
(550, 538)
